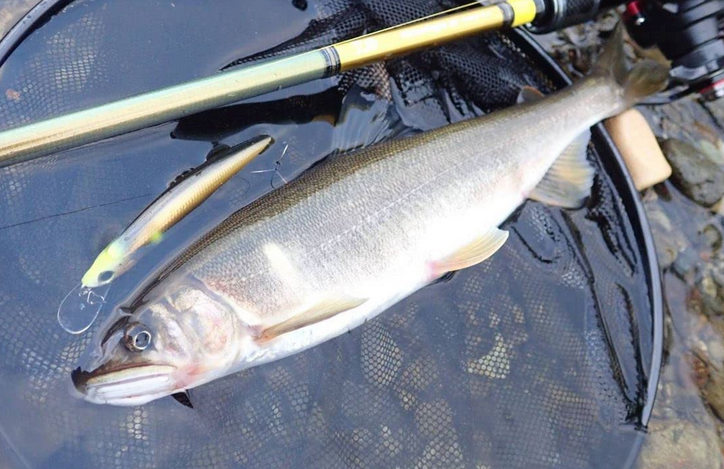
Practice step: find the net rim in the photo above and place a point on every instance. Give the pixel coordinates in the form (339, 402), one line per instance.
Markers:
(618, 172)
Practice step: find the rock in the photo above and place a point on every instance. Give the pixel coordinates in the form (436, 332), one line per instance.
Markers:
(685, 262)
(688, 120)
(12, 11)
(577, 47)
(694, 172)
(713, 390)
(698, 370)
(710, 286)
(712, 237)
(669, 242)
(679, 444)
(716, 108)
(713, 150)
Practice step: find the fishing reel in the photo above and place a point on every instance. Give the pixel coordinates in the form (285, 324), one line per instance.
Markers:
(690, 33)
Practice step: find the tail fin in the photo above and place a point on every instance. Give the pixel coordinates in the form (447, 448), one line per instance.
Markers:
(645, 78)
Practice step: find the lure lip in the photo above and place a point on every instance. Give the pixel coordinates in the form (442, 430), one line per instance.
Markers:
(125, 385)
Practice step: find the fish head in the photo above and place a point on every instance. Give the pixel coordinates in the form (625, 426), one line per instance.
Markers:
(163, 347)
(110, 263)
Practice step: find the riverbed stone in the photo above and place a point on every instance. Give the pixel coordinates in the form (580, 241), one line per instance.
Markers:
(669, 242)
(694, 172)
(710, 285)
(713, 390)
(679, 444)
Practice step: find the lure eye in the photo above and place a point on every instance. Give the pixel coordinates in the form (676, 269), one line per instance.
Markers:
(105, 276)
(137, 338)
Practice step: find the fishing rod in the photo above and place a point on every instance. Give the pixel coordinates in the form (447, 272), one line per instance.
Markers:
(694, 24)
(172, 103)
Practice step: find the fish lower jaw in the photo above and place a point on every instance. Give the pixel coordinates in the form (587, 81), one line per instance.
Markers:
(131, 387)
(130, 401)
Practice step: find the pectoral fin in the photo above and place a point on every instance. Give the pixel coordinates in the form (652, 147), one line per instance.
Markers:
(325, 309)
(474, 253)
(569, 180)
(183, 399)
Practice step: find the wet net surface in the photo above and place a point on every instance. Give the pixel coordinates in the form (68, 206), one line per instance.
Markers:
(538, 358)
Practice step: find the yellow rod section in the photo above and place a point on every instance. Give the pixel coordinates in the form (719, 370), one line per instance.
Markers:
(172, 103)
(417, 35)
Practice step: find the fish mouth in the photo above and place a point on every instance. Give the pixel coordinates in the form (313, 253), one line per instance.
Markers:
(129, 386)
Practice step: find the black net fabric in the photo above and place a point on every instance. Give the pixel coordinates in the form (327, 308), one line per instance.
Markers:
(538, 358)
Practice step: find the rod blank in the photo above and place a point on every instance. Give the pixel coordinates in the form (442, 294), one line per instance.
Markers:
(156, 107)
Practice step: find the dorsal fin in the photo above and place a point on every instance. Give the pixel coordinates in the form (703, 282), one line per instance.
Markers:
(364, 120)
(528, 94)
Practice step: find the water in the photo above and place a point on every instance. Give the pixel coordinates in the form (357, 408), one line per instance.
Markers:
(689, 403)
(536, 358)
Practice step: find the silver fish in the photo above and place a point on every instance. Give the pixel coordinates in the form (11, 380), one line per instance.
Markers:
(351, 237)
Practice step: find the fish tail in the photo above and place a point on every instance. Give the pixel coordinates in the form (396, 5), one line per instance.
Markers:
(645, 78)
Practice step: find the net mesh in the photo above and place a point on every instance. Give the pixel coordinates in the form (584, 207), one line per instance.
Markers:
(535, 359)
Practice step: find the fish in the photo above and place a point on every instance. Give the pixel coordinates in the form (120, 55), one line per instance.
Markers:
(351, 237)
(167, 210)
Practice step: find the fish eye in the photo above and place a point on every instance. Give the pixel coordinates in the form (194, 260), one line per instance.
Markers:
(137, 338)
(105, 276)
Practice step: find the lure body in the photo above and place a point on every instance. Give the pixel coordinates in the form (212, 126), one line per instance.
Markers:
(167, 210)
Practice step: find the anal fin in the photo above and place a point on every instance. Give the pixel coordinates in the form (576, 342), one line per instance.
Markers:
(569, 180)
(474, 253)
(325, 309)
